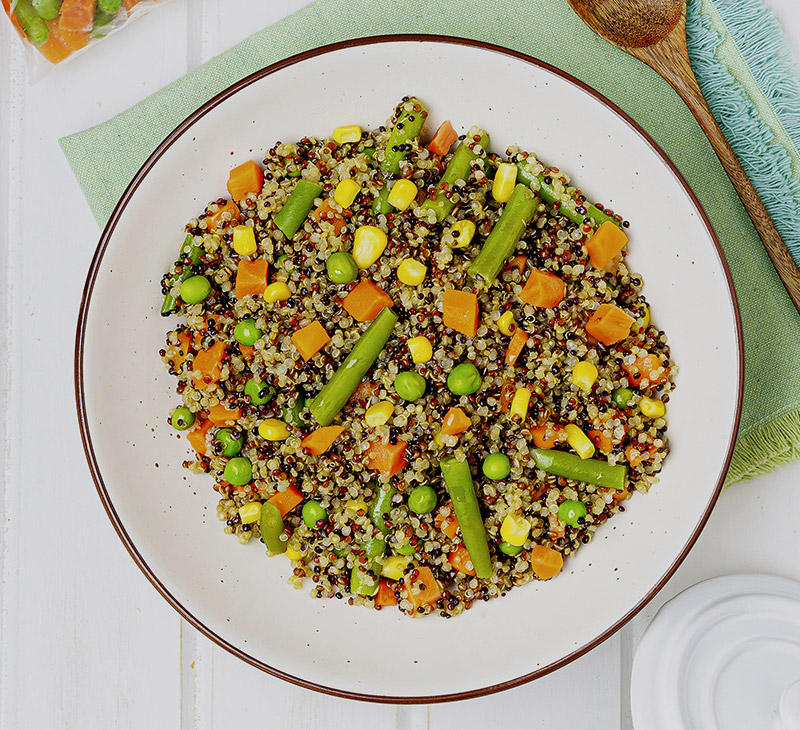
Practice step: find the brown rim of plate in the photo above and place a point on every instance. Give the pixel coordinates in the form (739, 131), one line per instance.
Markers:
(81, 331)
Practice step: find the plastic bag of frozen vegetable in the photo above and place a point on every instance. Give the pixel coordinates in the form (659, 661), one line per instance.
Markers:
(56, 30)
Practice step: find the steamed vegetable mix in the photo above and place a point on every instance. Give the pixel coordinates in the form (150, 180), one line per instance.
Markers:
(420, 369)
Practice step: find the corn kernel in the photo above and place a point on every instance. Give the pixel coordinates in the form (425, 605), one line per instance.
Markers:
(519, 404)
(652, 407)
(292, 554)
(420, 348)
(346, 191)
(402, 194)
(277, 292)
(394, 566)
(646, 317)
(349, 133)
(369, 244)
(462, 233)
(244, 241)
(411, 272)
(515, 530)
(355, 505)
(250, 512)
(579, 441)
(379, 414)
(584, 375)
(505, 178)
(273, 429)
(506, 323)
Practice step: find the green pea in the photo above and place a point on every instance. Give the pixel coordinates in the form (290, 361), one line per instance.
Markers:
(406, 550)
(109, 6)
(341, 268)
(464, 379)
(182, 418)
(259, 392)
(422, 499)
(363, 583)
(195, 289)
(570, 511)
(246, 332)
(238, 471)
(409, 385)
(496, 466)
(622, 397)
(231, 444)
(47, 9)
(509, 549)
(313, 512)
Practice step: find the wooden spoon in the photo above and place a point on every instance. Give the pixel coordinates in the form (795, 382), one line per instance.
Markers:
(654, 31)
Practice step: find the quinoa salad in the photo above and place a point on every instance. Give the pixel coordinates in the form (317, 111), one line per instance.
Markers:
(419, 369)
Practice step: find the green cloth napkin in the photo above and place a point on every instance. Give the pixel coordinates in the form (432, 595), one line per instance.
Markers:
(106, 157)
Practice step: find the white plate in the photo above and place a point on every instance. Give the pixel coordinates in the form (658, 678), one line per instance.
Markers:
(166, 517)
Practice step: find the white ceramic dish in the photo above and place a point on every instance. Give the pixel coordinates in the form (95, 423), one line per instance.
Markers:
(166, 517)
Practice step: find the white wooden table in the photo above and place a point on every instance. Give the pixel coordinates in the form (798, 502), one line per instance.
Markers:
(86, 640)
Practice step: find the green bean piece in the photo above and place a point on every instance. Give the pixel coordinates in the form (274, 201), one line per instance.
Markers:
(458, 169)
(362, 582)
(32, 23)
(112, 7)
(101, 26)
(407, 127)
(195, 253)
(380, 204)
(505, 235)
(47, 9)
(337, 391)
(272, 530)
(297, 207)
(369, 152)
(458, 479)
(375, 547)
(292, 414)
(380, 508)
(571, 466)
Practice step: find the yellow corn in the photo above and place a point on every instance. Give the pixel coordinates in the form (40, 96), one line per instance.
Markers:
(349, 133)
(462, 233)
(273, 429)
(292, 554)
(402, 194)
(379, 414)
(646, 317)
(369, 243)
(346, 191)
(504, 181)
(515, 530)
(519, 404)
(250, 512)
(579, 441)
(584, 375)
(277, 292)
(355, 505)
(652, 407)
(420, 348)
(506, 323)
(411, 272)
(244, 241)
(394, 566)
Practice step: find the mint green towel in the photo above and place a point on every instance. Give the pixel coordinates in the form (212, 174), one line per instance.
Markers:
(106, 157)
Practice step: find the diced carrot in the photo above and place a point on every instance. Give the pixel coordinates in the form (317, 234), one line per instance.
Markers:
(184, 348)
(207, 365)
(609, 324)
(507, 391)
(385, 595)
(620, 495)
(387, 459)
(448, 525)
(321, 439)
(197, 435)
(645, 367)
(366, 301)
(443, 139)
(75, 39)
(518, 262)
(423, 588)
(245, 179)
(55, 49)
(286, 500)
(219, 415)
(543, 289)
(460, 560)
(128, 4)
(518, 341)
(545, 561)
(548, 435)
(13, 18)
(76, 15)
(601, 439)
(606, 242)
(214, 220)
(637, 453)
(365, 390)
(455, 422)
(251, 278)
(247, 351)
(309, 340)
(326, 212)
(460, 311)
